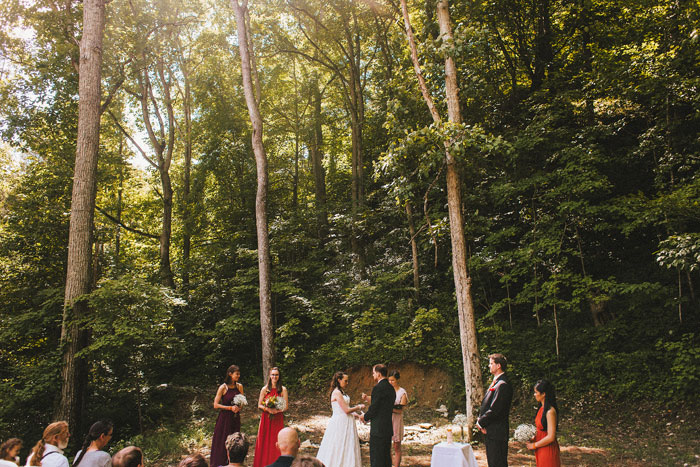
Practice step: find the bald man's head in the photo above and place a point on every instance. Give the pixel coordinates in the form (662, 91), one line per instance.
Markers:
(130, 456)
(288, 442)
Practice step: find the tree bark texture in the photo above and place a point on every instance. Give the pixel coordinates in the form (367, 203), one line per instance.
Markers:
(266, 328)
(465, 306)
(73, 339)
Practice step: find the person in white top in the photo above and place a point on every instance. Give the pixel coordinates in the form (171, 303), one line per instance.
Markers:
(91, 454)
(48, 452)
(9, 452)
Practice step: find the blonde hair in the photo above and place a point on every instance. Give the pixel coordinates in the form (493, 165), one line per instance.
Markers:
(51, 431)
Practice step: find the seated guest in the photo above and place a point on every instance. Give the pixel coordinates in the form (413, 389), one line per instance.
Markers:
(130, 456)
(307, 461)
(9, 452)
(288, 444)
(194, 460)
(91, 454)
(48, 452)
(236, 448)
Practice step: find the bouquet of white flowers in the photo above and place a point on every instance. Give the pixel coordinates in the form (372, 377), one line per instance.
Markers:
(239, 400)
(524, 432)
(461, 421)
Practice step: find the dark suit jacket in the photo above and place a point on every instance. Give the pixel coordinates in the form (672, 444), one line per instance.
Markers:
(282, 461)
(495, 408)
(379, 412)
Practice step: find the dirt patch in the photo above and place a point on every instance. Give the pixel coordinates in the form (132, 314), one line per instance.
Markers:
(427, 387)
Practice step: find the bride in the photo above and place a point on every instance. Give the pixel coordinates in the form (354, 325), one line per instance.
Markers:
(341, 446)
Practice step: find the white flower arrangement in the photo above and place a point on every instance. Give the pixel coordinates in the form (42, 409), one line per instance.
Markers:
(281, 404)
(460, 420)
(524, 432)
(239, 400)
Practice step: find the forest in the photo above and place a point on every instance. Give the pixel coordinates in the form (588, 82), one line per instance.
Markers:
(325, 184)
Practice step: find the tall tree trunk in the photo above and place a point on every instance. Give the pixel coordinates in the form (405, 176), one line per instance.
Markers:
(266, 328)
(315, 148)
(463, 281)
(465, 306)
(163, 143)
(297, 130)
(543, 44)
(414, 249)
(73, 339)
(120, 194)
(186, 188)
(166, 272)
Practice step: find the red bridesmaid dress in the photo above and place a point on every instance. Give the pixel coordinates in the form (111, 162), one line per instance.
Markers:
(546, 456)
(266, 451)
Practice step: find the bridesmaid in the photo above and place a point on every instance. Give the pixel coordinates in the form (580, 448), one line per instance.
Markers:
(271, 421)
(397, 416)
(229, 420)
(545, 443)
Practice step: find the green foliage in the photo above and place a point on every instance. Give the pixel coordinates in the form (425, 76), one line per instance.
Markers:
(684, 358)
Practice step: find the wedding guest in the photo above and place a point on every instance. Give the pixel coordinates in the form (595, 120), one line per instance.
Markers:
(545, 442)
(494, 412)
(229, 419)
(48, 451)
(288, 445)
(91, 454)
(130, 456)
(397, 416)
(307, 461)
(271, 420)
(236, 449)
(9, 452)
(193, 460)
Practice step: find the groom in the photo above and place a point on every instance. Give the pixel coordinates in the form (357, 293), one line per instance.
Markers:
(379, 412)
(493, 416)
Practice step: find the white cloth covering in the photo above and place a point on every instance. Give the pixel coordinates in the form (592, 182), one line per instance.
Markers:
(452, 455)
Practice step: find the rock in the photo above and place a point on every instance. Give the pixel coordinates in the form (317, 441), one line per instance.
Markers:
(425, 426)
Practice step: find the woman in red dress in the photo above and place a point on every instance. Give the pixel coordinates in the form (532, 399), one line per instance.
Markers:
(271, 421)
(545, 442)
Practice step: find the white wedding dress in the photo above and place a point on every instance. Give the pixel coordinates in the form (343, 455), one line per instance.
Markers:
(340, 446)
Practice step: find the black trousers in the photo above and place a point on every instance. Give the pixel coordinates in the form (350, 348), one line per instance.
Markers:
(497, 452)
(380, 451)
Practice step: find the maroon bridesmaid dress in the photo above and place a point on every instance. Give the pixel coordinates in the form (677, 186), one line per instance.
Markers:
(227, 424)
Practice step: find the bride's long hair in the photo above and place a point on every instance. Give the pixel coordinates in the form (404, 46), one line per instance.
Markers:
(335, 382)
